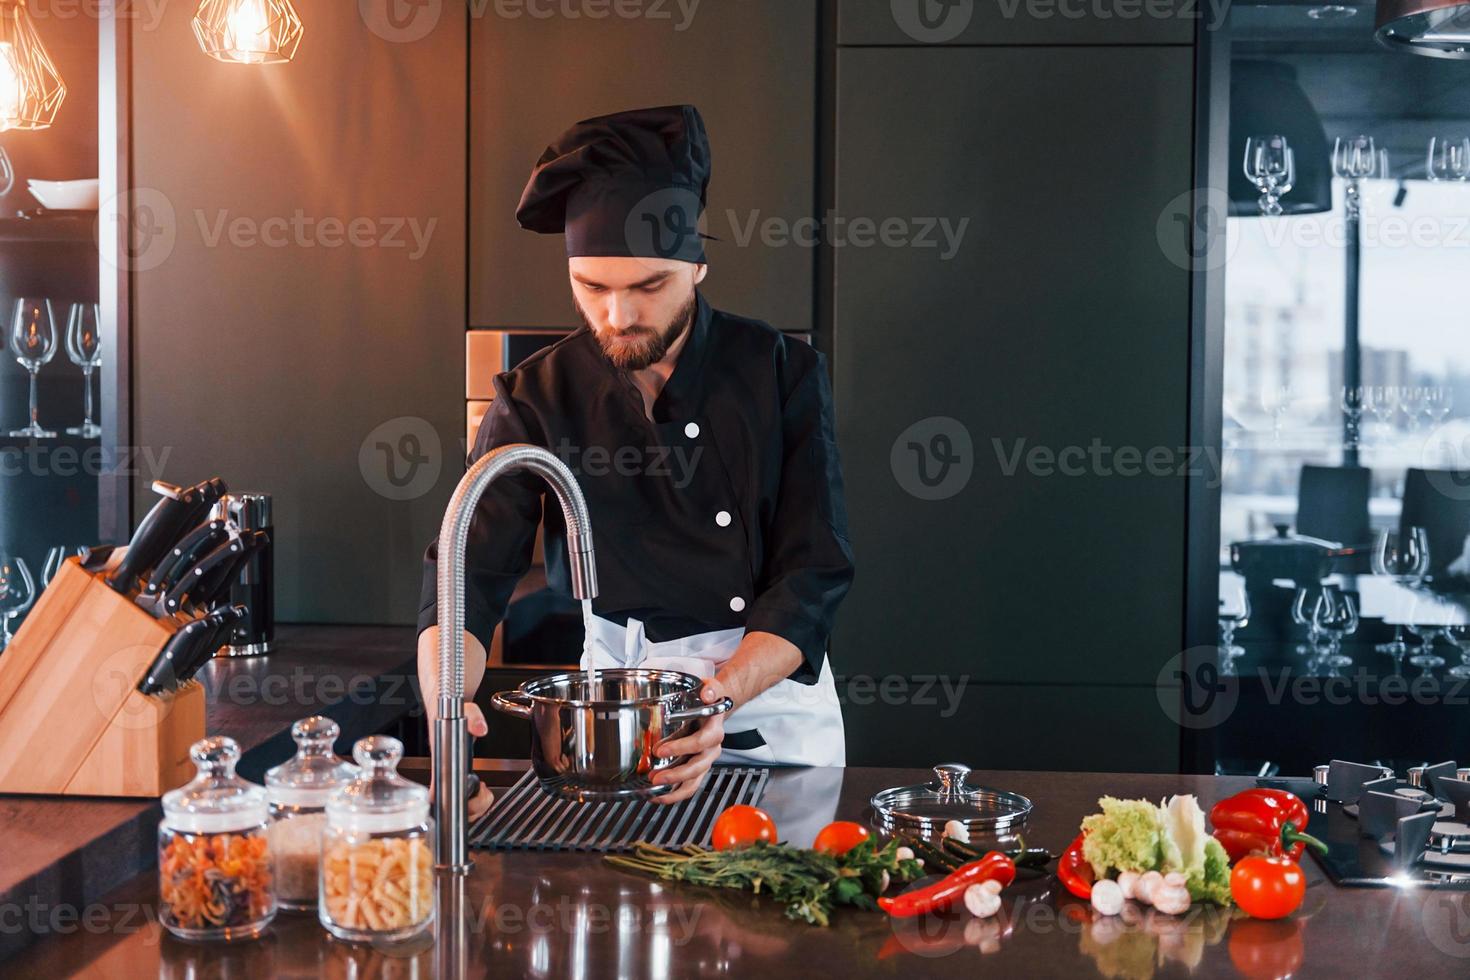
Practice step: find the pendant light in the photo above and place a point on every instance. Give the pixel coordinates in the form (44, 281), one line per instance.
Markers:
(248, 32)
(31, 89)
(1436, 28)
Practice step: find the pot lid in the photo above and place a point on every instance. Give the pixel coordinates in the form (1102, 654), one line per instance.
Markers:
(927, 807)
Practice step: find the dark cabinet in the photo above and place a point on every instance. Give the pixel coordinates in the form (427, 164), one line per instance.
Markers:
(1046, 359)
(750, 67)
(974, 22)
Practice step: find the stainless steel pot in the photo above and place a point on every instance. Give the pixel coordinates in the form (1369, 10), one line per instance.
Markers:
(598, 744)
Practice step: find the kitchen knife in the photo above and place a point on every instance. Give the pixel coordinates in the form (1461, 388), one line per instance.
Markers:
(155, 533)
(206, 495)
(191, 578)
(219, 625)
(217, 586)
(193, 546)
(164, 672)
(180, 509)
(95, 557)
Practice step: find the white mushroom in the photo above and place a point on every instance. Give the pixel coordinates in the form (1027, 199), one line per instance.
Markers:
(1127, 880)
(991, 885)
(883, 882)
(1171, 897)
(904, 854)
(958, 830)
(1143, 888)
(981, 901)
(1107, 897)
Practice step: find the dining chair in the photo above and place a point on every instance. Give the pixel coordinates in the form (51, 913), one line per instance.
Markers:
(1439, 502)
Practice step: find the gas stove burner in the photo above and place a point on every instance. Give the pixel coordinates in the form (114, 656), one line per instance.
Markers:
(1383, 829)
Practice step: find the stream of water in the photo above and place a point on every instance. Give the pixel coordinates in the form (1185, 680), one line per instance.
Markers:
(587, 648)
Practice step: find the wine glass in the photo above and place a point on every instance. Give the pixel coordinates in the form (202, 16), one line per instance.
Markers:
(1335, 615)
(83, 347)
(17, 592)
(1235, 612)
(1449, 158)
(1427, 621)
(1383, 402)
(33, 339)
(56, 556)
(1459, 635)
(1403, 557)
(1439, 402)
(7, 173)
(1302, 606)
(1412, 399)
(1277, 402)
(1354, 159)
(1270, 167)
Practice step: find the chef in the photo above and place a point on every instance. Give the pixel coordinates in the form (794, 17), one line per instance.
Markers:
(703, 443)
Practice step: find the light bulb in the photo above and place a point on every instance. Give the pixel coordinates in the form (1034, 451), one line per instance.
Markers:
(248, 30)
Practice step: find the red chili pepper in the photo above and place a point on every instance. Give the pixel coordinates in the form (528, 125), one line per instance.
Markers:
(1073, 871)
(948, 891)
(1263, 821)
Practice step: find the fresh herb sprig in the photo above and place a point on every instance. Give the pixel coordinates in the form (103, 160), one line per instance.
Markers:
(809, 883)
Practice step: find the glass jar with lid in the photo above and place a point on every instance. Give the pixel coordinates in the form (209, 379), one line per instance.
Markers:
(377, 876)
(298, 791)
(215, 874)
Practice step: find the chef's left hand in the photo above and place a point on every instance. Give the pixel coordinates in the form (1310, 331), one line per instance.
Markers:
(702, 747)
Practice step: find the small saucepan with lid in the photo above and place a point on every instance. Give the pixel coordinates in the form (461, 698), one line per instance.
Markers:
(987, 815)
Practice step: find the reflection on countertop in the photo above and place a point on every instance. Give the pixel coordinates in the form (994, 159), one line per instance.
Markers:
(553, 915)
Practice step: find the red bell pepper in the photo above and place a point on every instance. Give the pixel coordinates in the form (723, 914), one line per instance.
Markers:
(1073, 871)
(1263, 821)
(948, 891)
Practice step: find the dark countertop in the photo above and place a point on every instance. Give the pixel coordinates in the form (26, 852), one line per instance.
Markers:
(60, 850)
(553, 915)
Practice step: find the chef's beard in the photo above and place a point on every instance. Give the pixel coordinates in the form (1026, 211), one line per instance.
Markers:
(636, 347)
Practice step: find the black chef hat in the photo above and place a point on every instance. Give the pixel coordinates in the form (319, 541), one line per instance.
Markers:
(632, 183)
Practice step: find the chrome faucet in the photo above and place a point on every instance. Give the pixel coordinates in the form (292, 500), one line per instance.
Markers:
(451, 729)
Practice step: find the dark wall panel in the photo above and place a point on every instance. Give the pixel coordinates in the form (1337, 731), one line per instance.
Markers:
(750, 67)
(271, 360)
(1059, 322)
(940, 22)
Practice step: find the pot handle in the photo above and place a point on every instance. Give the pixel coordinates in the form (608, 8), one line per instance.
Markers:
(700, 711)
(512, 703)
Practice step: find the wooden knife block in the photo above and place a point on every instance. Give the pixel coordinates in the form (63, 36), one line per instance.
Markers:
(72, 720)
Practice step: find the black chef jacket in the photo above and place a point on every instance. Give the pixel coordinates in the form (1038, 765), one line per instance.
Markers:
(726, 510)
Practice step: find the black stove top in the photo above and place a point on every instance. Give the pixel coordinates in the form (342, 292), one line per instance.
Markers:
(1383, 830)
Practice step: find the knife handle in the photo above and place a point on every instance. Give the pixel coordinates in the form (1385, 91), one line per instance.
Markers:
(218, 625)
(219, 585)
(164, 672)
(194, 545)
(155, 533)
(191, 581)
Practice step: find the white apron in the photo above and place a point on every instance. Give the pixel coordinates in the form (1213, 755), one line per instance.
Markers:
(801, 723)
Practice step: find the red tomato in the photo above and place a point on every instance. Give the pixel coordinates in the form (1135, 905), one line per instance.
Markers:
(741, 826)
(840, 837)
(1267, 887)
